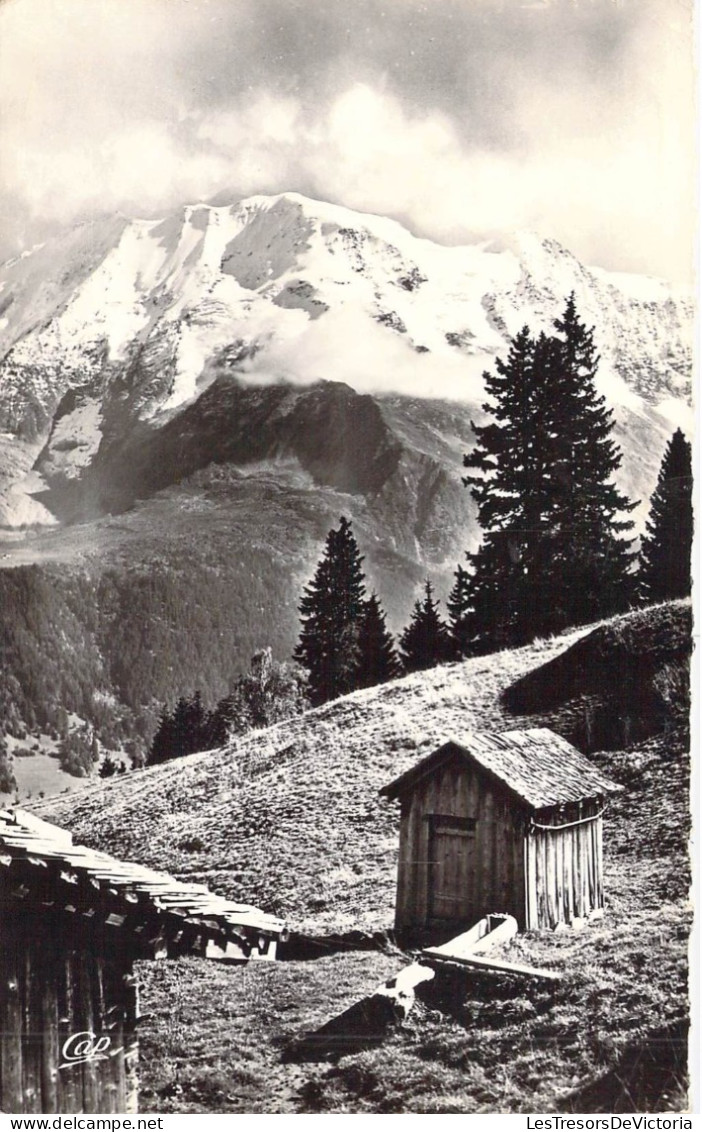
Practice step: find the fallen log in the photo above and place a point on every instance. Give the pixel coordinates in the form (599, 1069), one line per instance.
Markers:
(497, 966)
(468, 949)
(486, 934)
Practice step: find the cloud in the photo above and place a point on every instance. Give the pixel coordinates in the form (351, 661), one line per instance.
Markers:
(460, 117)
(345, 346)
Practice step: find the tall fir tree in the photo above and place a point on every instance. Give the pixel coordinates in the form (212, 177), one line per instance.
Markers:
(594, 560)
(331, 610)
(552, 552)
(8, 782)
(665, 563)
(377, 659)
(426, 641)
(511, 488)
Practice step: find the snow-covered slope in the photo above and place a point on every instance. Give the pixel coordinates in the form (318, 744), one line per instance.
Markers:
(141, 316)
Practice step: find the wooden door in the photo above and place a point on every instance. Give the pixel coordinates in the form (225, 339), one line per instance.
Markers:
(451, 868)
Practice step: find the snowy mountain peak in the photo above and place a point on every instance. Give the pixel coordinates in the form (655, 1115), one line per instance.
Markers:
(147, 313)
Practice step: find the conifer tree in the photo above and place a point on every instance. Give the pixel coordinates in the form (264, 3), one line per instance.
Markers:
(552, 552)
(108, 767)
(426, 641)
(331, 609)
(163, 741)
(8, 782)
(189, 723)
(377, 658)
(666, 547)
(511, 488)
(183, 731)
(459, 607)
(593, 575)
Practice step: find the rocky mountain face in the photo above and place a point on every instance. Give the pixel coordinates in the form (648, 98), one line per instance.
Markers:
(397, 460)
(134, 351)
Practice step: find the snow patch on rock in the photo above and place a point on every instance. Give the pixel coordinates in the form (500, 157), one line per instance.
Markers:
(283, 287)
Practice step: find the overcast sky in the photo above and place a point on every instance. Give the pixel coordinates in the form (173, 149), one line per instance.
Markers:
(458, 117)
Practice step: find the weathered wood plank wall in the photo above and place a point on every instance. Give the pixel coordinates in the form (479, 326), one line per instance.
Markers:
(52, 987)
(452, 873)
(564, 865)
(489, 877)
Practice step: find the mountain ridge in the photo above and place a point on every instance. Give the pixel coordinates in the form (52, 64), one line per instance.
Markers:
(275, 232)
(284, 288)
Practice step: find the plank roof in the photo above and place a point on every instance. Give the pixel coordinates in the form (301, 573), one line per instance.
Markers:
(24, 837)
(540, 767)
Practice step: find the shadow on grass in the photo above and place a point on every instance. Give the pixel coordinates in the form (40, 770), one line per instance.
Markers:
(623, 683)
(363, 1026)
(649, 1076)
(300, 946)
(460, 995)
(496, 999)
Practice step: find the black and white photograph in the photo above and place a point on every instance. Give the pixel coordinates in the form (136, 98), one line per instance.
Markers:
(347, 440)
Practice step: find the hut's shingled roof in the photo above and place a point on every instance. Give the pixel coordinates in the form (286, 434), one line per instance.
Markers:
(24, 838)
(536, 764)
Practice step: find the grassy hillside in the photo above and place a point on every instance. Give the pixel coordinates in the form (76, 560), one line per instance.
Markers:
(291, 818)
(291, 815)
(288, 815)
(619, 684)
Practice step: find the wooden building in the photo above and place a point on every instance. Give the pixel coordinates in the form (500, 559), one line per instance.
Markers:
(499, 822)
(72, 922)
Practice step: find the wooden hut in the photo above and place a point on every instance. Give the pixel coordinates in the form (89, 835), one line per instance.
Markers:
(72, 922)
(499, 822)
